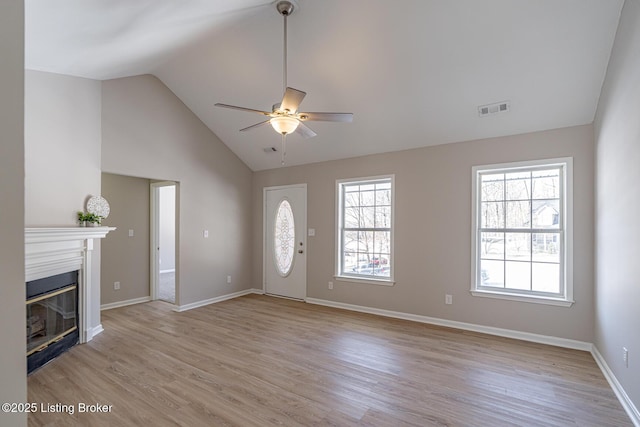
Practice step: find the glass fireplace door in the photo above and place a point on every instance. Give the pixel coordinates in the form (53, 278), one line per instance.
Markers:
(50, 317)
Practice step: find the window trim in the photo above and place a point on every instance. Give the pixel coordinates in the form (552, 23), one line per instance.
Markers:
(390, 281)
(566, 300)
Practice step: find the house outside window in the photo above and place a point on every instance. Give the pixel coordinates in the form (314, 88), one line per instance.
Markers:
(365, 229)
(522, 231)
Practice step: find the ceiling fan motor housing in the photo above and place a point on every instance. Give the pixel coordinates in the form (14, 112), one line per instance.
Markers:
(285, 7)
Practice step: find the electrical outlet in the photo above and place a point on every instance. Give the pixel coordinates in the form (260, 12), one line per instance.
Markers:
(130, 233)
(116, 286)
(625, 357)
(330, 284)
(448, 299)
(205, 233)
(228, 279)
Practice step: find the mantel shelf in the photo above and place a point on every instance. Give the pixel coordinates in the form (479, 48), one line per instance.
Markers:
(53, 234)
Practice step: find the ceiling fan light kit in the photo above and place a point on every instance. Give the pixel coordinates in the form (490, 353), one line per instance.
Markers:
(284, 124)
(284, 117)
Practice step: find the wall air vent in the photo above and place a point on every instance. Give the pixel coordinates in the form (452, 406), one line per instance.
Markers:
(270, 150)
(491, 109)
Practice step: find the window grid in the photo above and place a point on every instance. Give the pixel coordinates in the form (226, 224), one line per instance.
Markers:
(365, 229)
(531, 175)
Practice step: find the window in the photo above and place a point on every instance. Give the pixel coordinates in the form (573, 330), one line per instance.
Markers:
(284, 232)
(365, 230)
(522, 231)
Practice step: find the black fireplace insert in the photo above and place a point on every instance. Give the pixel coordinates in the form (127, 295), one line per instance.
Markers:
(52, 318)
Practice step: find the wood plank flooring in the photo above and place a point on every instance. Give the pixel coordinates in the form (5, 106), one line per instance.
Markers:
(259, 361)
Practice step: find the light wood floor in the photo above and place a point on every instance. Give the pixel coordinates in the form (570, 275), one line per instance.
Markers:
(258, 361)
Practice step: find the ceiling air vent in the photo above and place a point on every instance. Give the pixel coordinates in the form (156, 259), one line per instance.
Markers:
(490, 109)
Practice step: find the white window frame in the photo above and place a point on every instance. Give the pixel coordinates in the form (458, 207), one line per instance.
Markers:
(565, 299)
(339, 275)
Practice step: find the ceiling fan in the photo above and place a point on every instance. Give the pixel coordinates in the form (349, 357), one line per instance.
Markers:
(285, 117)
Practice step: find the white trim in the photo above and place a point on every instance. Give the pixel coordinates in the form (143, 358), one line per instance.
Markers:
(523, 298)
(95, 331)
(566, 163)
(124, 303)
(221, 298)
(622, 396)
(366, 280)
(171, 270)
(338, 225)
(507, 333)
(60, 234)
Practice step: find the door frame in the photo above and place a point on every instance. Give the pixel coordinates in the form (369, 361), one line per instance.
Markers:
(155, 237)
(264, 232)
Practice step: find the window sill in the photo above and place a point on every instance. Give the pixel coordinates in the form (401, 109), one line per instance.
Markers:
(522, 298)
(369, 281)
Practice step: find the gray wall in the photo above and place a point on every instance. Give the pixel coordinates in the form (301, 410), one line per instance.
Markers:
(125, 259)
(617, 130)
(433, 231)
(62, 155)
(62, 147)
(148, 132)
(12, 309)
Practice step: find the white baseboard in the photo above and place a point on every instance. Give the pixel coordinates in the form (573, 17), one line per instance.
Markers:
(94, 331)
(124, 303)
(507, 333)
(221, 298)
(624, 399)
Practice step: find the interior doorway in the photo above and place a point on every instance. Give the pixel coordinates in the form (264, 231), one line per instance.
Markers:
(163, 241)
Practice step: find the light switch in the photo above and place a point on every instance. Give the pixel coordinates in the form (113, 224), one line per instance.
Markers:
(206, 233)
(312, 232)
(130, 233)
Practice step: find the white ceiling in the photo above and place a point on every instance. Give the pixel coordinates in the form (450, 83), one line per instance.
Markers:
(413, 72)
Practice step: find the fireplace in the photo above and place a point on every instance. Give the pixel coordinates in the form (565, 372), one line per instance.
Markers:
(70, 314)
(52, 318)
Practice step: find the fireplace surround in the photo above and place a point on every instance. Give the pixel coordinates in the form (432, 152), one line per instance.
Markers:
(52, 251)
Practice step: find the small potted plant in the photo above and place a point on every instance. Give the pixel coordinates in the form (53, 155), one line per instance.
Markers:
(89, 218)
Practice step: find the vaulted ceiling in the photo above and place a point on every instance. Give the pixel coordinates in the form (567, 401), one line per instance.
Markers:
(413, 72)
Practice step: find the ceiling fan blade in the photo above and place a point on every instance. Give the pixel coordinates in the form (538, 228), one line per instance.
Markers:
(304, 130)
(327, 117)
(292, 99)
(255, 126)
(250, 110)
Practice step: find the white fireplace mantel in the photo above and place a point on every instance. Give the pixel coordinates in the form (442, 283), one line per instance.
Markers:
(56, 250)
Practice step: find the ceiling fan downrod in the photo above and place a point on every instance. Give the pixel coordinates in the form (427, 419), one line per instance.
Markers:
(285, 8)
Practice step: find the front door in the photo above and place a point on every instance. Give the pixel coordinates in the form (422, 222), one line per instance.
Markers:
(285, 252)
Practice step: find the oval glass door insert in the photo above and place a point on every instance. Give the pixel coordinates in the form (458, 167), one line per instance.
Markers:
(284, 238)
